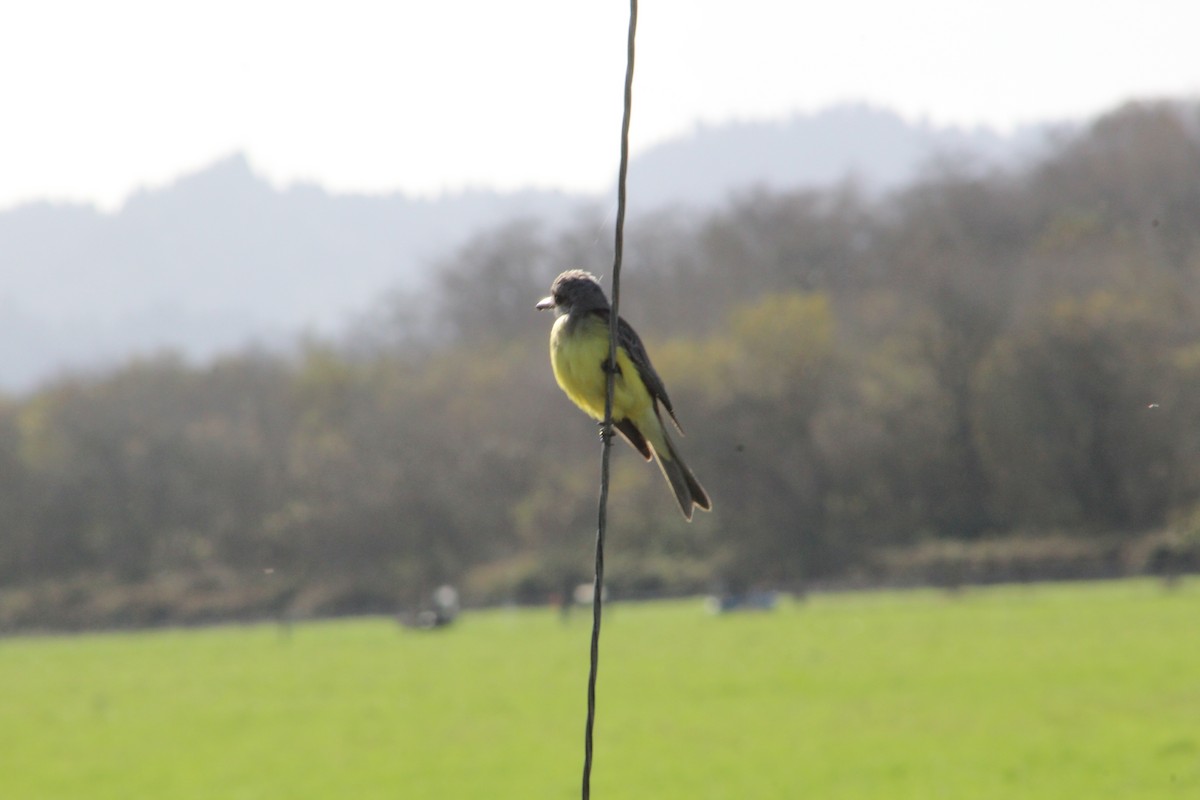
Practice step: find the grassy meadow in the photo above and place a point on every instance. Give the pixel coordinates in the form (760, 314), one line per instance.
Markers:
(1055, 691)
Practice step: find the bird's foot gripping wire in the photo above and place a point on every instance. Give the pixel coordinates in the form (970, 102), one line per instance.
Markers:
(607, 367)
(606, 433)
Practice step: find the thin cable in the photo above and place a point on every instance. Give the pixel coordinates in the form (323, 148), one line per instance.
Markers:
(606, 432)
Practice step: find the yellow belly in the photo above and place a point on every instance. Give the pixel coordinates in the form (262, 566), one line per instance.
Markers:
(577, 358)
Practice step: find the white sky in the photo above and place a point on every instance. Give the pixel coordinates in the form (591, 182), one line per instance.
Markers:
(98, 99)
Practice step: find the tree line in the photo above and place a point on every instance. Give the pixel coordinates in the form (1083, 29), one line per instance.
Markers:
(981, 356)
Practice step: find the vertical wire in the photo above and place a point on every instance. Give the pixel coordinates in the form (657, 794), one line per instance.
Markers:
(606, 432)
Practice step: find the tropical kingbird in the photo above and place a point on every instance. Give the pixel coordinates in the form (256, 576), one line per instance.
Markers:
(579, 350)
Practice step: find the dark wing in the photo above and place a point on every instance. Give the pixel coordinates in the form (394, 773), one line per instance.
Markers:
(627, 338)
(634, 437)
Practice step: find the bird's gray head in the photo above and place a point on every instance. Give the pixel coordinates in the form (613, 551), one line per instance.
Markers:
(574, 291)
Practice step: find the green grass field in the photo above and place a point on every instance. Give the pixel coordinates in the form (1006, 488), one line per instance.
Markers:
(1081, 691)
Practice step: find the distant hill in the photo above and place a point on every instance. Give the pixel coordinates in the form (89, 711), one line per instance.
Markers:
(876, 148)
(216, 260)
(221, 258)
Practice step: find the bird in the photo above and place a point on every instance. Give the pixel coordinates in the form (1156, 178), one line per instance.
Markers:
(579, 356)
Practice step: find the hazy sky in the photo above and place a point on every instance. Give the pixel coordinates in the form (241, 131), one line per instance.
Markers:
(100, 98)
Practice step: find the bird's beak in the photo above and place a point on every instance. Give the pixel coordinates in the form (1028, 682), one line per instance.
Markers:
(545, 303)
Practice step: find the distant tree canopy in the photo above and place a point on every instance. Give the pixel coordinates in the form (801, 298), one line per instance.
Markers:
(978, 354)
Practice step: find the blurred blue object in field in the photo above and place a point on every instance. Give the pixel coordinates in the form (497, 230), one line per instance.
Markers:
(747, 601)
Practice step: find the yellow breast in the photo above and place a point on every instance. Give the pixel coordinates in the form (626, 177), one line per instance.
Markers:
(577, 353)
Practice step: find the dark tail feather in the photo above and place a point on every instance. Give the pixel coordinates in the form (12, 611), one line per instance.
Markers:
(688, 491)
